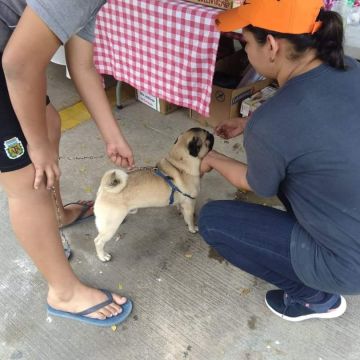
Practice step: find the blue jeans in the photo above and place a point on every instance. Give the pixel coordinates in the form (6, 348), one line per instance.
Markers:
(256, 239)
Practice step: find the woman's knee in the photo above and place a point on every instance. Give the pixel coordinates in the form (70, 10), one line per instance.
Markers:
(207, 211)
(217, 210)
(208, 216)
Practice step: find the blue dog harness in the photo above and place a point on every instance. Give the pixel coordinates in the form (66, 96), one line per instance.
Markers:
(174, 188)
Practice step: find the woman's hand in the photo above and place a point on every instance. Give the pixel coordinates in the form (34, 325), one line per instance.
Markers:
(205, 166)
(231, 128)
(46, 163)
(120, 153)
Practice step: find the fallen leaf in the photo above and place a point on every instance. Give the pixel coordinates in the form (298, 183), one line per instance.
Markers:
(245, 291)
(113, 328)
(88, 189)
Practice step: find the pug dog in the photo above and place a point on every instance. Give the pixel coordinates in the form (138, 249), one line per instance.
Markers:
(175, 180)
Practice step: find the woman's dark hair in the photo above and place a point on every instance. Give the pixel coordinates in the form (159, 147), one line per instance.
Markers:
(328, 40)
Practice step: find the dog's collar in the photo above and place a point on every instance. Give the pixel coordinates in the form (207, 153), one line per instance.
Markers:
(174, 188)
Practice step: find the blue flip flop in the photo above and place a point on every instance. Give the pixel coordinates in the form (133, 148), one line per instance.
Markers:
(85, 208)
(81, 316)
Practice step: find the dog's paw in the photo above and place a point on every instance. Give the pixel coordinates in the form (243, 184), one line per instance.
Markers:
(193, 229)
(104, 257)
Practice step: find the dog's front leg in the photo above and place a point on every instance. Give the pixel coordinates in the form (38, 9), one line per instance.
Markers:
(188, 210)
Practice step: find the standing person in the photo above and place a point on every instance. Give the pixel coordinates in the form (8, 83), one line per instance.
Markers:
(302, 145)
(30, 33)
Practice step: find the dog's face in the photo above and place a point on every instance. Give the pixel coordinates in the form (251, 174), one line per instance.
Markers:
(195, 142)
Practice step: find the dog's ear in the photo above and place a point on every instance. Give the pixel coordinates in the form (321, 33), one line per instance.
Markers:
(194, 146)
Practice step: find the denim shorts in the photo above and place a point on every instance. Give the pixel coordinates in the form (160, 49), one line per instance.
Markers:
(13, 145)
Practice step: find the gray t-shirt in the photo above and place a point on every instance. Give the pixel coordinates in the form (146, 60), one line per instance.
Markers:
(306, 142)
(64, 18)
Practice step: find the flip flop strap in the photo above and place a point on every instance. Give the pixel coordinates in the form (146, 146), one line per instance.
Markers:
(85, 208)
(98, 306)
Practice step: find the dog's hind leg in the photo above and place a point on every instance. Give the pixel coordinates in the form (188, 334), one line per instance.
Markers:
(107, 228)
(188, 210)
(179, 209)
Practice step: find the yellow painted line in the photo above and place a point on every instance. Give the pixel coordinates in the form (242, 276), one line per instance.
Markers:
(77, 113)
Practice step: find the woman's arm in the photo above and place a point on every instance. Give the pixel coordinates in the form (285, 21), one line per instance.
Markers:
(79, 57)
(232, 170)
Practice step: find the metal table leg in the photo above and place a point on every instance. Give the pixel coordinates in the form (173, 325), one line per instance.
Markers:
(118, 95)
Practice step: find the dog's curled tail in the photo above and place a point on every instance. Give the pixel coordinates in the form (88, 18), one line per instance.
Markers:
(114, 180)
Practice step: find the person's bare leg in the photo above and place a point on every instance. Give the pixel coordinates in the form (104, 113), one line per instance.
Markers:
(34, 223)
(71, 212)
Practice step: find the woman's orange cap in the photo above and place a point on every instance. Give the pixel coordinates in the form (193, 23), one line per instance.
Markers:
(284, 16)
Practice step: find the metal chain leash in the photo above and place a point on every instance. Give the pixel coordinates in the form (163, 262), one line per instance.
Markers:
(64, 240)
(152, 168)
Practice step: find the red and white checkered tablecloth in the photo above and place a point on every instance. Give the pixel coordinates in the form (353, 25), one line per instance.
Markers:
(165, 48)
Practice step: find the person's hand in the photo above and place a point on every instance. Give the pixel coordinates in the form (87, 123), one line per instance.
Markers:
(205, 166)
(231, 128)
(120, 154)
(46, 163)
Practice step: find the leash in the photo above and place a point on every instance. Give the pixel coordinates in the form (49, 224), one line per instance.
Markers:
(152, 168)
(64, 240)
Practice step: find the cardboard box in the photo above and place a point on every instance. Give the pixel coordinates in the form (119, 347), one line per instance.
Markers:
(225, 103)
(220, 4)
(155, 103)
(249, 105)
(127, 92)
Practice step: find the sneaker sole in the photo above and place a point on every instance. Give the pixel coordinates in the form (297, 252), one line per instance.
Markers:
(329, 315)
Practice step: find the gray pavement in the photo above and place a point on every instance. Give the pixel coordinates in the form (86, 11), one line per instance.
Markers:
(189, 303)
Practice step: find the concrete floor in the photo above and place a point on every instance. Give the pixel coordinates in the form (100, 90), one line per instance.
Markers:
(189, 303)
